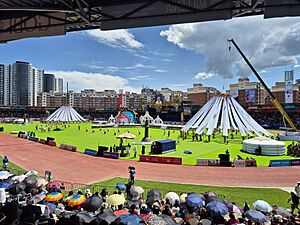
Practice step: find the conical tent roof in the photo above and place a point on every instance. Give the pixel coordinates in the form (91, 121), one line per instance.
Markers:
(224, 112)
(65, 114)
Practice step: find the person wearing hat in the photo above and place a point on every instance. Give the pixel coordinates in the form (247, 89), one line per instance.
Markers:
(87, 193)
(144, 209)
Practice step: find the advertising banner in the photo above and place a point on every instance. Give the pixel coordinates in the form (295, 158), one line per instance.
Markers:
(163, 160)
(111, 155)
(202, 162)
(283, 162)
(90, 152)
(289, 79)
(295, 162)
(239, 163)
(33, 139)
(250, 95)
(68, 147)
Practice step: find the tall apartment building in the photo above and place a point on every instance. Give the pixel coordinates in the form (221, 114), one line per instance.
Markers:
(89, 99)
(21, 83)
(200, 94)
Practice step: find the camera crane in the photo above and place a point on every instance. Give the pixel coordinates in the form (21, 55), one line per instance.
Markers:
(274, 100)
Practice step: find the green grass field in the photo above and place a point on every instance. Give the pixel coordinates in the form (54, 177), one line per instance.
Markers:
(82, 139)
(234, 194)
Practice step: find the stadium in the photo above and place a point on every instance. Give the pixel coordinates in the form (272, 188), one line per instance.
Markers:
(222, 164)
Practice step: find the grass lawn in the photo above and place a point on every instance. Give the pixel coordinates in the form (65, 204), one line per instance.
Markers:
(201, 150)
(234, 194)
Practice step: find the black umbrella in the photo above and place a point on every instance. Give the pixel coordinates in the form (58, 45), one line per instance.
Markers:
(108, 216)
(16, 188)
(153, 196)
(169, 220)
(30, 181)
(92, 204)
(256, 216)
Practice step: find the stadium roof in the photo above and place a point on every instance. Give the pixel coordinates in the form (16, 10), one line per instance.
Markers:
(34, 18)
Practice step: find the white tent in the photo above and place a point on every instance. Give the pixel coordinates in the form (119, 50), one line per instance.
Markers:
(146, 117)
(65, 114)
(158, 121)
(224, 112)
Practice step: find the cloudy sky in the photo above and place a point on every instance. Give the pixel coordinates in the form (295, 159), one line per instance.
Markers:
(167, 56)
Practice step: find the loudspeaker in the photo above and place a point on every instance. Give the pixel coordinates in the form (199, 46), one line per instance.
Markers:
(101, 149)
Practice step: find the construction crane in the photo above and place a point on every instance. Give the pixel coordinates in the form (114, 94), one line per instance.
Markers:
(274, 100)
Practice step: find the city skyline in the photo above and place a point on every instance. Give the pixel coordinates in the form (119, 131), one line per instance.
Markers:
(176, 56)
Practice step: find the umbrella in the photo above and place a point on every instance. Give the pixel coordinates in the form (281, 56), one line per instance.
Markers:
(234, 208)
(172, 196)
(217, 209)
(153, 196)
(121, 212)
(39, 197)
(54, 197)
(246, 207)
(19, 178)
(76, 200)
(108, 215)
(137, 189)
(182, 198)
(4, 174)
(155, 220)
(282, 211)
(126, 136)
(129, 219)
(209, 194)
(194, 200)
(31, 172)
(256, 216)
(168, 220)
(16, 188)
(262, 206)
(53, 183)
(4, 184)
(216, 199)
(121, 187)
(115, 199)
(31, 181)
(92, 204)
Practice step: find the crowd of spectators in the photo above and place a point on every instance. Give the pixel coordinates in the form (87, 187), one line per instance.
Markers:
(30, 200)
(293, 150)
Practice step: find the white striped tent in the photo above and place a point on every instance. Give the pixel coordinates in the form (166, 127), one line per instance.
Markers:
(65, 114)
(225, 113)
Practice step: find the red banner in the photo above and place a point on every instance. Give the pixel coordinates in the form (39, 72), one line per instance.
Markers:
(163, 160)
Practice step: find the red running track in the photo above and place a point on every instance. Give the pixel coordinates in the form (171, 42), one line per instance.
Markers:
(80, 168)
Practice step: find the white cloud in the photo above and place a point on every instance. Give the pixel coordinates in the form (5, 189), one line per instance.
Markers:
(203, 76)
(297, 65)
(82, 80)
(267, 43)
(139, 65)
(161, 71)
(141, 77)
(116, 38)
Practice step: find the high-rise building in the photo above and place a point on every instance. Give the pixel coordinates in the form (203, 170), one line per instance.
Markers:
(37, 87)
(59, 85)
(5, 87)
(22, 84)
(49, 82)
